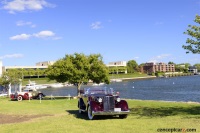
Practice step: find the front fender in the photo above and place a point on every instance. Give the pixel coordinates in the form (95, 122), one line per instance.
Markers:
(123, 105)
(95, 106)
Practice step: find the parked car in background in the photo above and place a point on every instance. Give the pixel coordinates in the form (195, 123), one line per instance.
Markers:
(27, 94)
(102, 101)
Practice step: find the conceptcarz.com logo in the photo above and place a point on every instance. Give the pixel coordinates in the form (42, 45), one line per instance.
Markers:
(178, 130)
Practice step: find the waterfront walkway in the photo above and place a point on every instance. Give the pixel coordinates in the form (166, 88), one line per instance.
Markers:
(146, 77)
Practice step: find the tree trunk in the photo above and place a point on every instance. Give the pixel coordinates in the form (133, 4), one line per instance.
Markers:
(9, 89)
(78, 89)
(20, 87)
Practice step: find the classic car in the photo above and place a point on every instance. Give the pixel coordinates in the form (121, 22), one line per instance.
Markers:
(27, 94)
(102, 101)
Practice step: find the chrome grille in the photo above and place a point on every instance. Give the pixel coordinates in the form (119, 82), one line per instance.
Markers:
(108, 103)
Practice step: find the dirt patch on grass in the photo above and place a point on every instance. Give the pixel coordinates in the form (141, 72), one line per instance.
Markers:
(6, 119)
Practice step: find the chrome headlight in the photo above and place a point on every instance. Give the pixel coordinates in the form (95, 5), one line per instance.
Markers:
(100, 100)
(118, 99)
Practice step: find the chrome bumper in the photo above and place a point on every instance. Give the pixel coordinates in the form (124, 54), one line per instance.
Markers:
(111, 113)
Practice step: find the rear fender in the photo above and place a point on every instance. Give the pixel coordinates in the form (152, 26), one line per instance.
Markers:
(25, 96)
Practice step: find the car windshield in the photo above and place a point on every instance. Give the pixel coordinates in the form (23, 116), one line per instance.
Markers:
(103, 90)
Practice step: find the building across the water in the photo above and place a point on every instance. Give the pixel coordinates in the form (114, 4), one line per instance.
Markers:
(45, 63)
(39, 65)
(151, 67)
(117, 67)
(193, 69)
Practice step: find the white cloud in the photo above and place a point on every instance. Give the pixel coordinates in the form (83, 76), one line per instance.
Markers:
(44, 34)
(136, 57)
(20, 37)
(25, 5)
(182, 16)
(23, 23)
(109, 20)
(159, 23)
(159, 58)
(163, 56)
(57, 38)
(11, 56)
(96, 25)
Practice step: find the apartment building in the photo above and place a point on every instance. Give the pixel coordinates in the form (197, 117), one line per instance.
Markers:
(151, 67)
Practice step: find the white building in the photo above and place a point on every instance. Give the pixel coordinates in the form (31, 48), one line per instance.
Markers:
(45, 63)
(39, 65)
(118, 64)
(193, 69)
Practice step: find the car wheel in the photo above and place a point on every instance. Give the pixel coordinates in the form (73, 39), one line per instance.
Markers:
(19, 98)
(90, 116)
(122, 116)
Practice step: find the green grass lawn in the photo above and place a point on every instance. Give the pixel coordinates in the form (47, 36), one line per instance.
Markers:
(61, 116)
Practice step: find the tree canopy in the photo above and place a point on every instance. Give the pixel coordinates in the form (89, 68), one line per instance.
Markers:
(132, 66)
(170, 62)
(78, 69)
(12, 76)
(193, 43)
(197, 66)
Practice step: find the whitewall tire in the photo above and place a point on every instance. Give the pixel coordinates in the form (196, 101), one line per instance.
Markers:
(90, 116)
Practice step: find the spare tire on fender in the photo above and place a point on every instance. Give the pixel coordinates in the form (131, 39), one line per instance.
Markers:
(19, 98)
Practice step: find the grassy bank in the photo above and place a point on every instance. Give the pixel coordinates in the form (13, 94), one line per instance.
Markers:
(61, 115)
(128, 75)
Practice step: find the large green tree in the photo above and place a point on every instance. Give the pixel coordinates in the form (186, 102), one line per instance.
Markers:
(12, 76)
(198, 67)
(171, 62)
(132, 66)
(79, 68)
(182, 67)
(193, 43)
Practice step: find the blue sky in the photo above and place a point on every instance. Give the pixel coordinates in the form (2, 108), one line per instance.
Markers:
(32, 31)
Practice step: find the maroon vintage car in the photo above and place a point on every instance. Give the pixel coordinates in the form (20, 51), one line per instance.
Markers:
(27, 94)
(102, 101)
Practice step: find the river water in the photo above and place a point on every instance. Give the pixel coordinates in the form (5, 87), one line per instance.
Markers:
(186, 88)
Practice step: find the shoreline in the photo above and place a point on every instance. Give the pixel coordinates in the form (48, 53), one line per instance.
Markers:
(137, 78)
(188, 102)
(146, 77)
